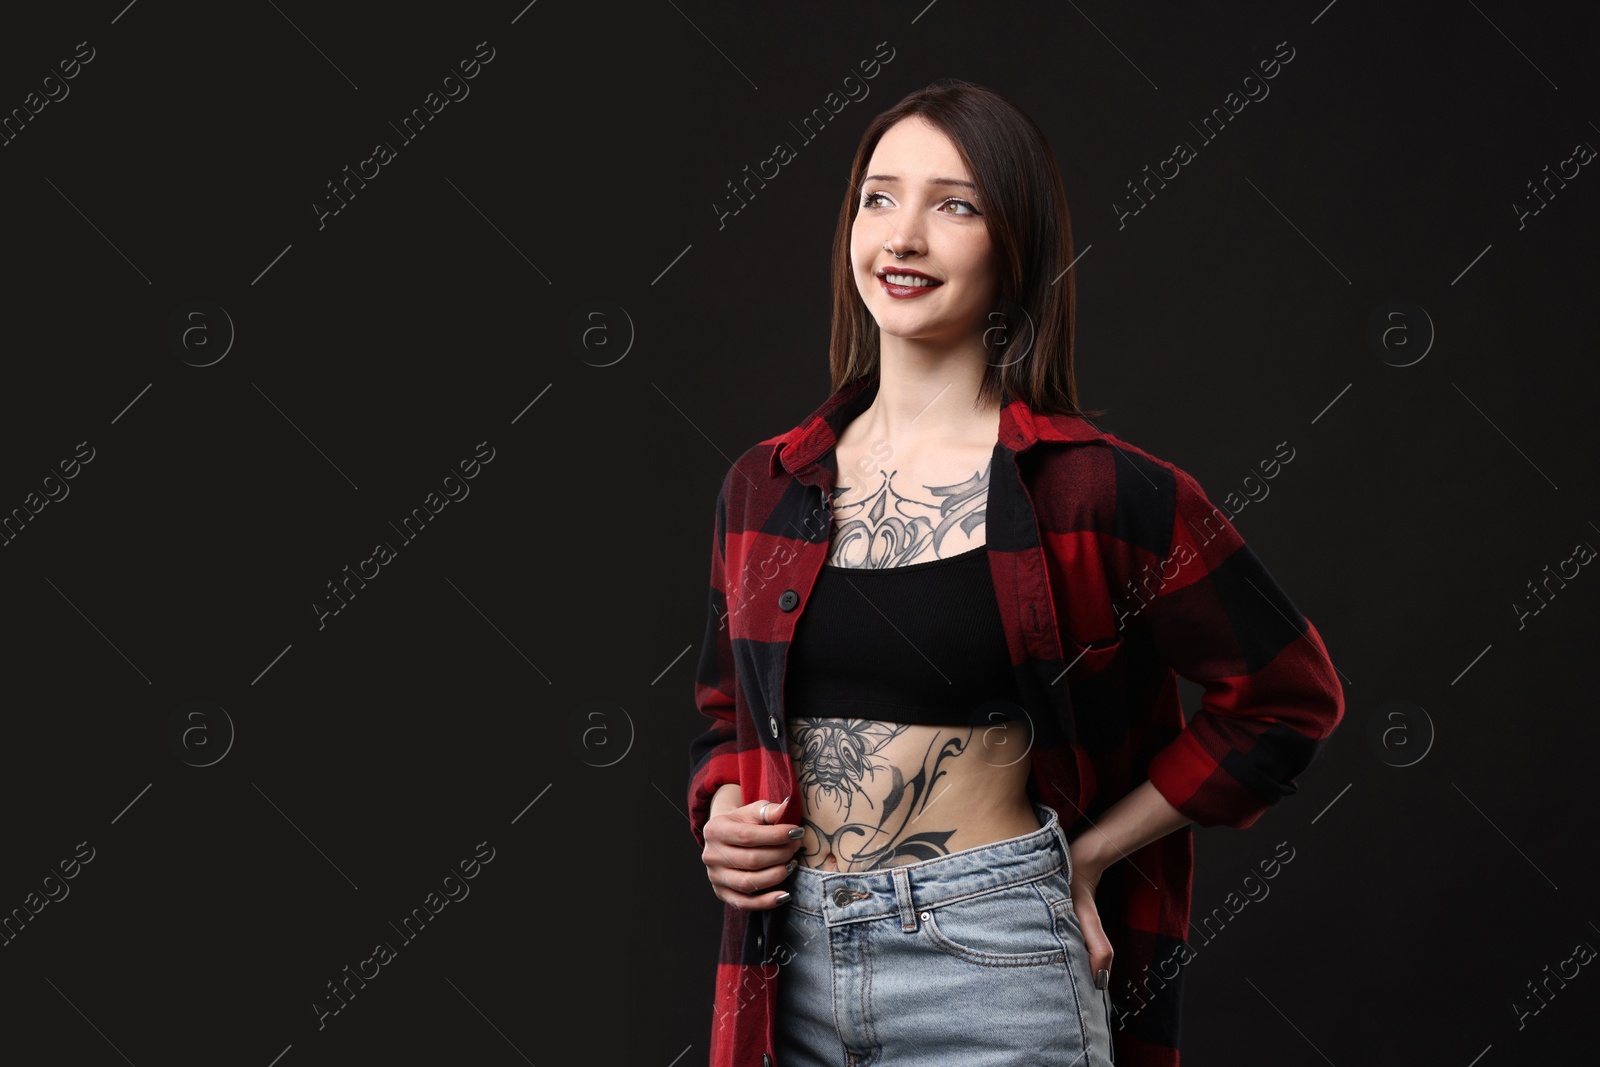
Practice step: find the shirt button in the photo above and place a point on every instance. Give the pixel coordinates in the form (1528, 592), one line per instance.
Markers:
(788, 600)
(772, 722)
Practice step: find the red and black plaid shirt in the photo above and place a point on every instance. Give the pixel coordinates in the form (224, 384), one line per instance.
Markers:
(1114, 574)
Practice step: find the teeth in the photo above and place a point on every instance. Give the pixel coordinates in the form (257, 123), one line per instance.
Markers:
(906, 279)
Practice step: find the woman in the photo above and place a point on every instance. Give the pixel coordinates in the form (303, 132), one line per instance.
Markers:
(948, 777)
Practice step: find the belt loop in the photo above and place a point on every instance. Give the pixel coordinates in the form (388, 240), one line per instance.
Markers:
(1054, 820)
(902, 894)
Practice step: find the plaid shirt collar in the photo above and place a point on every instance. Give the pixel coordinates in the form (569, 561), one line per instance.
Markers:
(799, 450)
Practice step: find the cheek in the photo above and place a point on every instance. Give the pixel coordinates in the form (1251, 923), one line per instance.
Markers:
(863, 255)
(860, 248)
(984, 271)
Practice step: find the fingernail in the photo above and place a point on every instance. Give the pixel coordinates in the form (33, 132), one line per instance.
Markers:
(783, 898)
(797, 833)
(1102, 978)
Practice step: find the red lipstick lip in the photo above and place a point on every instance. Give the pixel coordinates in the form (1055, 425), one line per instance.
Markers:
(906, 270)
(907, 292)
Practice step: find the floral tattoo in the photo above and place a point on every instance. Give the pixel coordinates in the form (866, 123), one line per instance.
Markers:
(842, 771)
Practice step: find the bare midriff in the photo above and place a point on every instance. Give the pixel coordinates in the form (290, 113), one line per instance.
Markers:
(881, 794)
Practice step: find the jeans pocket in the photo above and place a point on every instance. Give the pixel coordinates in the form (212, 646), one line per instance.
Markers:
(1012, 926)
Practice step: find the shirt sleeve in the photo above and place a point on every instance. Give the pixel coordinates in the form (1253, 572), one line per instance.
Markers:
(713, 754)
(1271, 693)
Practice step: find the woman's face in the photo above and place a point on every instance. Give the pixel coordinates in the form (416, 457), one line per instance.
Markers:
(919, 199)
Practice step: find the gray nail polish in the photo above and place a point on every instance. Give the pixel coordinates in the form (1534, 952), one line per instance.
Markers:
(797, 833)
(1102, 978)
(783, 898)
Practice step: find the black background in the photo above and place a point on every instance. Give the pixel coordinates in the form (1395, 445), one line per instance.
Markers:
(454, 700)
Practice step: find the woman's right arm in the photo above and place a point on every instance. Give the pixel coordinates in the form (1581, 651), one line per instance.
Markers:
(744, 857)
(714, 754)
(726, 798)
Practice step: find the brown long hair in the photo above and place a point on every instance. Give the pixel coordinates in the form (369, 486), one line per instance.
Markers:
(1025, 207)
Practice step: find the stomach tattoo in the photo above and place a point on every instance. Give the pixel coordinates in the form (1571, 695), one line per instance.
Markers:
(868, 789)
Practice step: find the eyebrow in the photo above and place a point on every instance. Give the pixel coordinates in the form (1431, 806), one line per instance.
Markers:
(931, 181)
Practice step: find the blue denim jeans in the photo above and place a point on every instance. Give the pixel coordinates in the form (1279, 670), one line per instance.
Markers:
(974, 959)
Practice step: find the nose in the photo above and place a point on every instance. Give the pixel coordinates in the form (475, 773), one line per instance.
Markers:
(901, 244)
(904, 233)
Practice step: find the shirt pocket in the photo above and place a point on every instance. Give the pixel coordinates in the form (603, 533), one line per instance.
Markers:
(1090, 657)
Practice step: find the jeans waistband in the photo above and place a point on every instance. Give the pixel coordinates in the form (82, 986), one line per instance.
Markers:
(847, 897)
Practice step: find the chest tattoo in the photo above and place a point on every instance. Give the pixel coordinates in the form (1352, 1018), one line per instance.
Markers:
(879, 525)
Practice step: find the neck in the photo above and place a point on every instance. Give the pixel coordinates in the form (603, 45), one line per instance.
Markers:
(928, 392)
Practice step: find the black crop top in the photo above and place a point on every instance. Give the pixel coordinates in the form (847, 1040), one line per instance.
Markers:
(921, 643)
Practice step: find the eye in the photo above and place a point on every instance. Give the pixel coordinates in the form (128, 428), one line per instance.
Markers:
(868, 201)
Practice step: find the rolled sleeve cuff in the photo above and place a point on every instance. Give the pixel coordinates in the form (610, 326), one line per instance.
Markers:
(719, 768)
(1187, 776)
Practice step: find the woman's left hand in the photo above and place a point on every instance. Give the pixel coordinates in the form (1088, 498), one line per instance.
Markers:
(1085, 880)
